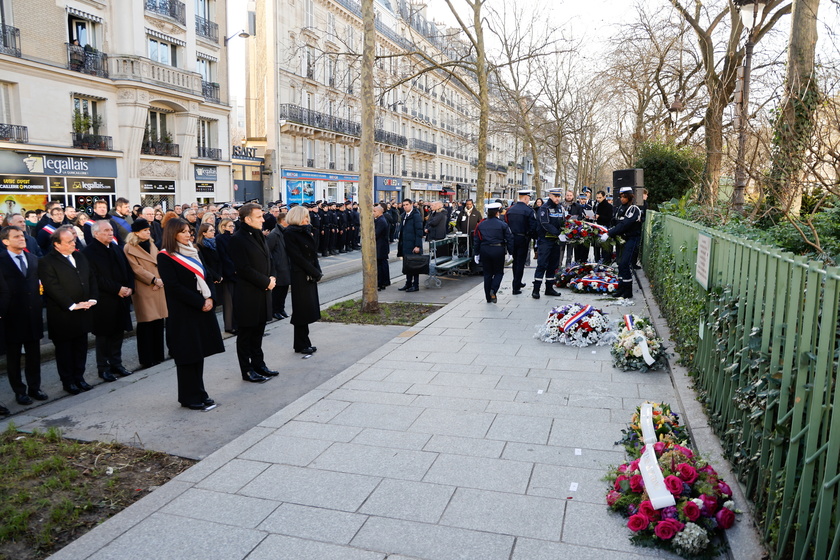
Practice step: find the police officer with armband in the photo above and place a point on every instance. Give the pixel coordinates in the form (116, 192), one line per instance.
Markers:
(628, 225)
(522, 222)
(492, 236)
(550, 219)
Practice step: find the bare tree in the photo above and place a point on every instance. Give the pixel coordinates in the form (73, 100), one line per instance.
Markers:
(721, 54)
(370, 300)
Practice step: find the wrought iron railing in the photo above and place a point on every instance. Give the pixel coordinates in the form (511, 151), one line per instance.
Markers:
(160, 149)
(315, 119)
(207, 29)
(87, 61)
(169, 8)
(210, 90)
(14, 133)
(9, 40)
(391, 138)
(209, 153)
(86, 141)
(423, 146)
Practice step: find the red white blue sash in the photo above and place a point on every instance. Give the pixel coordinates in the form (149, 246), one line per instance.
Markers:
(49, 228)
(191, 264)
(576, 318)
(89, 223)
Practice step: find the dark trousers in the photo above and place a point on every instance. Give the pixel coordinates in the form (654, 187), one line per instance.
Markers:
(599, 253)
(278, 298)
(625, 259)
(191, 383)
(412, 280)
(109, 350)
(383, 273)
(33, 366)
(226, 289)
(520, 255)
(301, 337)
(150, 348)
(70, 358)
(582, 253)
(548, 258)
(323, 241)
(249, 347)
(493, 265)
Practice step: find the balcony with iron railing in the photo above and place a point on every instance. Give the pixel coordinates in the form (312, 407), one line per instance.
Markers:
(171, 9)
(14, 133)
(87, 141)
(315, 119)
(310, 163)
(350, 167)
(209, 153)
(206, 28)
(141, 69)
(390, 138)
(160, 149)
(422, 146)
(87, 61)
(10, 40)
(210, 90)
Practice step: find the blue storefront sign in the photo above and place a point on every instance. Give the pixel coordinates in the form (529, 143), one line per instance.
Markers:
(390, 184)
(308, 175)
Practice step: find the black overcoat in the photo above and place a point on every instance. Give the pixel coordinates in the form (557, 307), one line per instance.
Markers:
(381, 230)
(252, 261)
(279, 259)
(111, 313)
(303, 257)
(65, 285)
(191, 334)
(411, 233)
(23, 316)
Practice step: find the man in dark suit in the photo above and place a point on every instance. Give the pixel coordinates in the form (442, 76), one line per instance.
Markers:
(100, 212)
(112, 314)
(24, 325)
(71, 291)
(382, 232)
(19, 222)
(411, 241)
(251, 293)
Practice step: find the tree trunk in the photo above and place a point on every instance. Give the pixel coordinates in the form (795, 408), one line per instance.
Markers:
(793, 129)
(370, 300)
(483, 103)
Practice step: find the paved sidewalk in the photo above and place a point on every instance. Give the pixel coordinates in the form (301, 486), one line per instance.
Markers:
(462, 438)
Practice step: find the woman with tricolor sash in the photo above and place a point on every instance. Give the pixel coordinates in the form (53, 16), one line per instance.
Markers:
(192, 332)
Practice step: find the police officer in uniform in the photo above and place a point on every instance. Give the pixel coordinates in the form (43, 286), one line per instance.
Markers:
(628, 218)
(332, 220)
(492, 236)
(522, 222)
(315, 221)
(550, 219)
(582, 249)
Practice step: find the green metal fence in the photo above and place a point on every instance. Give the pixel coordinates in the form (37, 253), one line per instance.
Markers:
(766, 366)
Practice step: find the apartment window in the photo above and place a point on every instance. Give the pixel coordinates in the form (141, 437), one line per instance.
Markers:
(351, 38)
(156, 130)
(204, 134)
(202, 8)
(203, 67)
(87, 117)
(163, 52)
(331, 25)
(310, 62)
(81, 30)
(331, 153)
(309, 8)
(331, 64)
(6, 92)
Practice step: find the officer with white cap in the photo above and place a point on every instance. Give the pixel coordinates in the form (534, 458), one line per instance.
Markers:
(628, 218)
(550, 220)
(522, 222)
(490, 240)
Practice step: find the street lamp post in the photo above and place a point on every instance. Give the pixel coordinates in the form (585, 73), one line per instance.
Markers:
(751, 12)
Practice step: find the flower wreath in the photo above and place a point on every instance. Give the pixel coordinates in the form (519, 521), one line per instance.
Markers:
(638, 347)
(575, 324)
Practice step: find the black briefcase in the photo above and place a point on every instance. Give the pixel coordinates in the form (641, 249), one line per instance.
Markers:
(415, 264)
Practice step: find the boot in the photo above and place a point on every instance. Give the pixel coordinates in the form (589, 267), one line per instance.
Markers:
(628, 289)
(619, 292)
(536, 293)
(549, 289)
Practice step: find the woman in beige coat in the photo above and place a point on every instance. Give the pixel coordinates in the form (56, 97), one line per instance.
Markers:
(149, 298)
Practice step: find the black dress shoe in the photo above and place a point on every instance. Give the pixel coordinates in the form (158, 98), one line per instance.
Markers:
(493, 297)
(84, 385)
(234, 332)
(265, 372)
(23, 399)
(72, 388)
(521, 285)
(310, 350)
(195, 406)
(413, 289)
(516, 292)
(253, 377)
(404, 288)
(209, 402)
(107, 376)
(284, 314)
(278, 316)
(4, 411)
(121, 371)
(38, 395)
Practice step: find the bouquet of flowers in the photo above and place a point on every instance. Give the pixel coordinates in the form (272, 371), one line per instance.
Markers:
(576, 325)
(596, 283)
(637, 347)
(598, 230)
(571, 273)
(704, 508)
(666, 424)
(578, 232)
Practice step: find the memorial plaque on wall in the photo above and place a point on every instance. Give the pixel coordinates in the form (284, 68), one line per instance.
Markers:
(704, 260)
(205, 187)
(159, 187)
